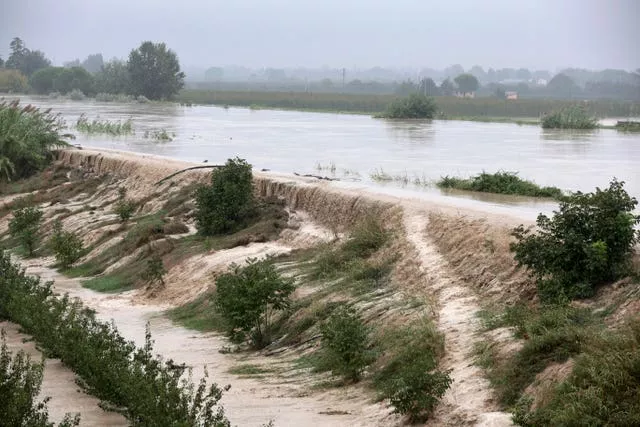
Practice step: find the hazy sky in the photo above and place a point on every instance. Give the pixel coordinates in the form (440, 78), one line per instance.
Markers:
(546, 34)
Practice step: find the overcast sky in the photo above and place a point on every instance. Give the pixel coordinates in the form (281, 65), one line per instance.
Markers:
(548, 34)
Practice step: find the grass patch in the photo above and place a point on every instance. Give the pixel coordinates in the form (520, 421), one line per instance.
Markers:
(249, 370)
(106, 127)
(199, 314)
(107, 284)
(500, 183)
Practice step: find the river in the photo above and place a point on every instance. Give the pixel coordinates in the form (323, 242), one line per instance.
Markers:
(358, 146)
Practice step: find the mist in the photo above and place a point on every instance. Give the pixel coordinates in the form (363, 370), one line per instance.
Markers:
(291, 33)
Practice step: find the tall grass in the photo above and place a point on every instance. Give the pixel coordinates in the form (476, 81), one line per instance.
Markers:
(628, 126)
(27, 137)
(573, 117)
(501, 183)
(97, 126)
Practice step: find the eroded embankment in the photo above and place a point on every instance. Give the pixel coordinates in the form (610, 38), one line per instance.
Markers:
(421, 283)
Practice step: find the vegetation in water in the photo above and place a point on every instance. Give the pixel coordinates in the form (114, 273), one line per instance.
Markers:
(159, 135)
(227, 204)
(345, 344)
(97, 126)
(412, 107)
(66, 246)
(587, 242)
(501, 183)
(249, 297)
(20, 384)
(25, 227)
(628, 126)
(573, 117)
(146, 389)
(27, 137)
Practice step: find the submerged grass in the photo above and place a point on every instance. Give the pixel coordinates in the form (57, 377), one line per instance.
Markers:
(97, 126)
(572, 117)
(500, 183)
(628, 126)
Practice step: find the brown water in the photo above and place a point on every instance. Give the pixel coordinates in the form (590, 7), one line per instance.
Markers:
(290, 141)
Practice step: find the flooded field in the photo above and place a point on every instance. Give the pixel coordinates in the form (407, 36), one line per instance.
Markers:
(352, 147)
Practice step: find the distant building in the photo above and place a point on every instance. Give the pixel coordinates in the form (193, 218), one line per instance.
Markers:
(511, 94)
(465, 94)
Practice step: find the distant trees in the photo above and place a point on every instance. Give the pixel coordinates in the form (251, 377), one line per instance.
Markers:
(467, 83)
(12, 81)
(25, 60)
(63, 80)
(563, 85)
(429, 87)
(154, 71)
(214, 74)
(447, 88)
(114, 78)
(93, 63)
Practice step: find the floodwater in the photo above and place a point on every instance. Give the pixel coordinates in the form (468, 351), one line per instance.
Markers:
(352, 147)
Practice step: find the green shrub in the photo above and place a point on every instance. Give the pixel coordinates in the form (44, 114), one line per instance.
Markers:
(155, 271)
(588, 241)
(25, 227)
(628, 126)
(573, 117)
(27, 137)
(412, 107)
(146, 389)
(66, 246)
(410, 378)
(228, 202)
(124, 207)
(249, 297)
(501, 183)
(20, 382)
(345, 342)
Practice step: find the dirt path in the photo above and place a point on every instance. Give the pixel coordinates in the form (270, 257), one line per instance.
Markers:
(251, 401)
(59, 384)
(469, 400)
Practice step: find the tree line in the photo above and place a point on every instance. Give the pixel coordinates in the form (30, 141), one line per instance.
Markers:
(152, 70)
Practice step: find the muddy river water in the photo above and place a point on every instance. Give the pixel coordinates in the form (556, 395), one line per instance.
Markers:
(358, 145)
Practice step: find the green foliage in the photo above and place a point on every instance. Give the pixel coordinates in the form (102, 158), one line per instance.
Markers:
(412, 107)
(13, 81)
(228, 202)
(501, 183)
(159, 135)
(574, 117)
(155, 270)
(113, 79)
(25, 60)
(154, 71)
(628, 126)
(588, 241)
(27, 137)
(124, 207)
(62, 80)
(66, 246)
(20, 382)
(410, 378)
(249, 297)
(97, 126)
(147, 390)
(25, 227)
(602, 389)
(345, 342)
(467, 83)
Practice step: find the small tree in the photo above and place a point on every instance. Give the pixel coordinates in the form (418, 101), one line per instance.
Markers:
(25, 227)
(412, 107)
(66, 246)
(345, 341)
(154, 71)
(249, 297)
(588, 241)
(228, 202)
(467, 83)
(155, 270)
(124, 207)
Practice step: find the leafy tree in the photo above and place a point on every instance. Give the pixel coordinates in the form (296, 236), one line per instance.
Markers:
(562, 85)
(20, 383)
(228, 202)
(1, 62)
(25, 60)
(66, 245)
(25, 227)
(155, 270)
(447, 88)
(93, 63)
(428, 87)
(250, 296)
(12, 81)
(114, 78)
(412, 107)
(588, 241)
(467, 83)
(63, 80)
(43, 81)
(124, 207)
(27, 137)
(345, 343)
(155, 71)
(407, 87)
